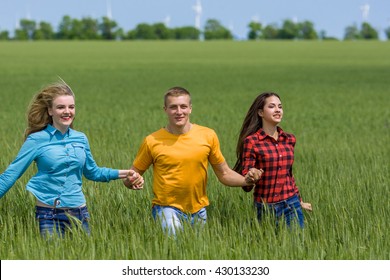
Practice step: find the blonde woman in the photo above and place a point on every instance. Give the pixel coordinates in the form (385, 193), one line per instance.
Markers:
(62, 156)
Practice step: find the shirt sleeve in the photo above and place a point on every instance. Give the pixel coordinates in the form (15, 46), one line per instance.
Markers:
(248, 160)
(95, 173)
(215, 156)
(144, 157)
(20, 164)
(248, 156)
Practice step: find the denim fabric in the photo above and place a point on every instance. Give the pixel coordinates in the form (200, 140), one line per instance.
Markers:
(57, 220)
(290, 210)
(171, 218)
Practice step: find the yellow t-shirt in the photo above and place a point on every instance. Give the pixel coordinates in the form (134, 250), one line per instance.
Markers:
(180, 166)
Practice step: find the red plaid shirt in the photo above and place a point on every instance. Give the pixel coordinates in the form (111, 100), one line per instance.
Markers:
(276, 159)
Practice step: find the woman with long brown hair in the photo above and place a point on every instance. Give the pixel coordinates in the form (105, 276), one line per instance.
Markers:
(262, 144)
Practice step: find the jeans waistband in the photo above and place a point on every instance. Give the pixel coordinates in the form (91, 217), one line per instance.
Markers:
(63, 210)
(286, 201)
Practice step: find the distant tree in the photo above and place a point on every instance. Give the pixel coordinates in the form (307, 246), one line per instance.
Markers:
(143, 31)
(213, 30)
(306, 30)
(90, 28)
(65, 28)
(77, 32)
(120, 34)
(162, 32)
(131, 35)
(108, 28)
(271, 31)
(186, 33)
(289, 30)
(368, 32)
(351, 33)
(4, 35)
(44, 31)
(20, 35)
(26, 30)
(254, 30)
(322, 34)
(387, 32)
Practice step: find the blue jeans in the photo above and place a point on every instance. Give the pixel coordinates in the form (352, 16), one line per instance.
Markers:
(57, 220)
(171, 218)
(289, 209)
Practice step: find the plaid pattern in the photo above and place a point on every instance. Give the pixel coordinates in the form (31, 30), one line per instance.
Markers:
(276, 159)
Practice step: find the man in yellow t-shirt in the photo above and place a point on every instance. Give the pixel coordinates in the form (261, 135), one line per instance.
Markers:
(180, 153)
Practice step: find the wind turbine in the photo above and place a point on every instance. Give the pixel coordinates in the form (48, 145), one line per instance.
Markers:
(167, 21)
(365, 10)
(109, 11)
(198, 12)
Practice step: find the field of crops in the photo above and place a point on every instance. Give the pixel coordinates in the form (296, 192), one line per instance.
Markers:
(336, 101)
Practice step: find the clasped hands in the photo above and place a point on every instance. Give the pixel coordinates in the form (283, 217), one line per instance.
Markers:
(253, 176)
(133, 180)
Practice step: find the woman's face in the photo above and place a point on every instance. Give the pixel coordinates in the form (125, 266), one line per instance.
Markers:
(63, 112)
(272, 112)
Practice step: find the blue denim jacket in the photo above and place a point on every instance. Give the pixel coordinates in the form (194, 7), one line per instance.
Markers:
(62, 160)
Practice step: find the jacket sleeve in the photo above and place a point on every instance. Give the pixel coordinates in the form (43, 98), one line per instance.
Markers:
(20, 164)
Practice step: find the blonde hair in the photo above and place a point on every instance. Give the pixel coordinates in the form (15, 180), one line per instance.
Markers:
(37, 114)
(176, 91)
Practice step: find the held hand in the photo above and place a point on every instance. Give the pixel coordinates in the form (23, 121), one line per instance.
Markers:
(306, 206)
(253, 176)
(133, 180)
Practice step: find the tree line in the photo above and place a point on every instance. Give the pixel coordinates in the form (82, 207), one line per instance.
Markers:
(88, 28)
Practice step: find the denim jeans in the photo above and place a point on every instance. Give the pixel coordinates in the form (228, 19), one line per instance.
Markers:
(57, 220)
(171, 218)
(289, 209)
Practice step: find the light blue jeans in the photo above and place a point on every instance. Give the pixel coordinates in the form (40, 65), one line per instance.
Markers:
(172, 219)
(290, 210)
(57, 220)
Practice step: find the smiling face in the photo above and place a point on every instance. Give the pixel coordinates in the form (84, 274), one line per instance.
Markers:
(272, 112)
(178, 110)
(63, 111)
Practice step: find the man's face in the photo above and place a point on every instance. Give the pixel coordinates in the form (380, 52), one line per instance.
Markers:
(178, 110)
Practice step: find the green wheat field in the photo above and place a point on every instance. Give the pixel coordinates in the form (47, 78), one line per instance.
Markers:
(336, 97)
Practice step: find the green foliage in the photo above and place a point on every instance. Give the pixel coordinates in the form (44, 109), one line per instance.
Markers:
(88, 28)
(366, 32)
(186, 33)
(108, 28)
(254, 30)
(289, 30)
(4, 35)
(214, 30)
(335, 97)
(387, 32)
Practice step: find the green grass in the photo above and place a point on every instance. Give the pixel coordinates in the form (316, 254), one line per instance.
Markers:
(336, 101)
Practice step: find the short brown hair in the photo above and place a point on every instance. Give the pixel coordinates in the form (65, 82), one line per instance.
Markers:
(176, 91)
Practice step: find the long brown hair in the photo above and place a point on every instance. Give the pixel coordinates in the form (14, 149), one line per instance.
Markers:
(251, 124)
(37, 114)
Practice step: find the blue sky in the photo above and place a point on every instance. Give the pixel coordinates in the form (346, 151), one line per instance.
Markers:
(331, 16)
